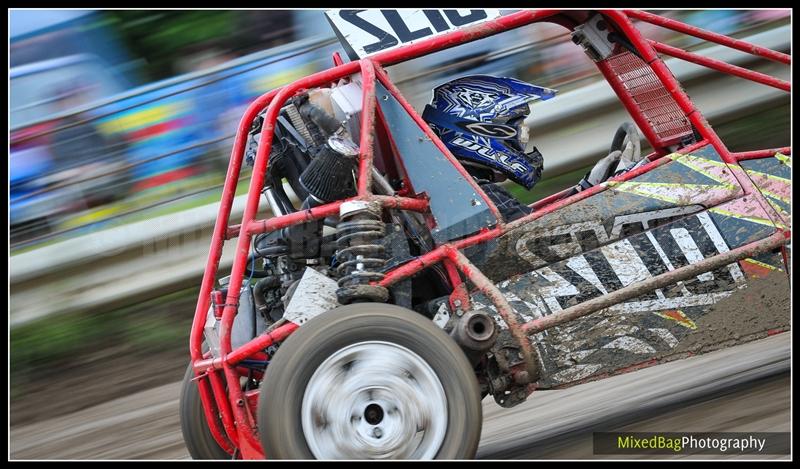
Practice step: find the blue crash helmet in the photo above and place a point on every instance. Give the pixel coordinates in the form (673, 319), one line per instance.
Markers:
(480, 120)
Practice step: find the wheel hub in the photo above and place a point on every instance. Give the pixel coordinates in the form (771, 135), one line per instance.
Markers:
(374, 400)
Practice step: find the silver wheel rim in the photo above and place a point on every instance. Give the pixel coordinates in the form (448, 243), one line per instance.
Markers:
(374, 400)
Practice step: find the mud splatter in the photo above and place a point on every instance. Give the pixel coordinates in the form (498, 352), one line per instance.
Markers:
(762, 307)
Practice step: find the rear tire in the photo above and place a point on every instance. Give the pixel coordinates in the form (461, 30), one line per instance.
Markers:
(196, 433)
(421, 392)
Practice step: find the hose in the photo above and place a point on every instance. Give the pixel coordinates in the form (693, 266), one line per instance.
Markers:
(322, 119)
(251, 260)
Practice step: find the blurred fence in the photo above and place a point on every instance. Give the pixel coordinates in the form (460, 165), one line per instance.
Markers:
(147, 148)
(164, 147)
(129, 263)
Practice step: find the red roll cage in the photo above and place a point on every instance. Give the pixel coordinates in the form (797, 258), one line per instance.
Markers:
(644, 85)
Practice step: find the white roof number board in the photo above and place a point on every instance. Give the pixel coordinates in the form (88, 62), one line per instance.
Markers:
(367, 32)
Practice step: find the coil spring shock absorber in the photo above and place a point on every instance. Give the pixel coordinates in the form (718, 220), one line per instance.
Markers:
(360, 252)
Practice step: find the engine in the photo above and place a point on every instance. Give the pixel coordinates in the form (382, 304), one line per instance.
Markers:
(314, 161)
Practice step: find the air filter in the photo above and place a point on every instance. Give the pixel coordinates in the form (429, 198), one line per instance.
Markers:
(329, 176)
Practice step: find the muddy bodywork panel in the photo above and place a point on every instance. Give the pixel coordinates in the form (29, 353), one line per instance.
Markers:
(684, 211)
(773, 177)
(687, 184)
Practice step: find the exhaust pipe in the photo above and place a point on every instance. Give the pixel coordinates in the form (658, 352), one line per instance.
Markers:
(475, 332)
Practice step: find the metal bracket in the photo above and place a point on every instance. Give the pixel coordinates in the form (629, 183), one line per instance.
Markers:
(592, 36)
(314, 295)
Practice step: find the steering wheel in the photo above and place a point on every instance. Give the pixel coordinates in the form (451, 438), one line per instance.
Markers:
(627, 132)
(619, 158)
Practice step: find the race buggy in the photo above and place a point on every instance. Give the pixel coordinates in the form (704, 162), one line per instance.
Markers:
(396, 285)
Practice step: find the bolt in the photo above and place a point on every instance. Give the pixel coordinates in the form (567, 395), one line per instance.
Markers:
(377, 432)
(240, 403)
(457, 303)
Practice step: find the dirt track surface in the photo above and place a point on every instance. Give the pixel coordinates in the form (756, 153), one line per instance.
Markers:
(743, 388)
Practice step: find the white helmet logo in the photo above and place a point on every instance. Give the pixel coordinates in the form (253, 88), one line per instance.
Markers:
(486, 129)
